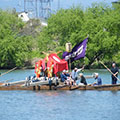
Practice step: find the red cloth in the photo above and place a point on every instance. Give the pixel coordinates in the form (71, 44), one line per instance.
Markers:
(59, 65)
(38, 64)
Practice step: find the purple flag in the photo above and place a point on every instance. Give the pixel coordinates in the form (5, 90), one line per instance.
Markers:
(77, 52)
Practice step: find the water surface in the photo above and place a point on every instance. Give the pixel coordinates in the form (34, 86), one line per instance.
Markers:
(59, 105)
(22, 74)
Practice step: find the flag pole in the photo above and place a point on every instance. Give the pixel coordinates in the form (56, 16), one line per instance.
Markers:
(69, 65)
(77, 52)
(68, 49)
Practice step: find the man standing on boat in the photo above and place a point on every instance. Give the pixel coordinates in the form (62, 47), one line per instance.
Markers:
(115, 72)
(74, 73)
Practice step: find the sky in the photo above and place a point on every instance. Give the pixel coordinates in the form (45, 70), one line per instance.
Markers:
(19, 4)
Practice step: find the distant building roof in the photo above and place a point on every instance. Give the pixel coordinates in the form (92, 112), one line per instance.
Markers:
(24, 16)
(44, 24)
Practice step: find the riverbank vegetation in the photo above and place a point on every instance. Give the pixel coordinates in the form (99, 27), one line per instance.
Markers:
(100, 22)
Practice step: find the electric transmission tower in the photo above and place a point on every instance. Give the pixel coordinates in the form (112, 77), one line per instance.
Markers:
(38, 8)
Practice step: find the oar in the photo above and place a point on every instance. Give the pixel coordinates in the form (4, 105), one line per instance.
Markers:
(8, 71)
(109, 70)
(5, 81)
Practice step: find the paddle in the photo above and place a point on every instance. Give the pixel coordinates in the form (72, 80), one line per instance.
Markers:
(109, 70)
(8, 71)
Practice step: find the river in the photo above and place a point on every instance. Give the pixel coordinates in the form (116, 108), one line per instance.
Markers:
(59, 105)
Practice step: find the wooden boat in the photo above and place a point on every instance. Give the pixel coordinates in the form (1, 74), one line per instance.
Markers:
(107, 87)
(38, 87)
(100, 87)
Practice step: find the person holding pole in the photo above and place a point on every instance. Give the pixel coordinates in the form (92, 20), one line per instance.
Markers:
(115, 72)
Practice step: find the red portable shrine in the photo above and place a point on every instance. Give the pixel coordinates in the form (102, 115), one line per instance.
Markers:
(53, 64)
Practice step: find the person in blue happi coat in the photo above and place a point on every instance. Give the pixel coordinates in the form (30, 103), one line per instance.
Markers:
(98, 79)
(63, 76)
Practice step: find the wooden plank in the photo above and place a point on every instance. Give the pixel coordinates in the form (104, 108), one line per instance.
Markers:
(41, 86)
(62, 87)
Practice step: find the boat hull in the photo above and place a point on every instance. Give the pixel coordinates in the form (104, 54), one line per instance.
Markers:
(100, 87)
(61, 87)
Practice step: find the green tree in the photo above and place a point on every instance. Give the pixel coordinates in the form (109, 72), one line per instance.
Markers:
(100, 22)
(14, 48)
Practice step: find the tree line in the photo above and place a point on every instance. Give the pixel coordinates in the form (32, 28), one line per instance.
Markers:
(100, 22)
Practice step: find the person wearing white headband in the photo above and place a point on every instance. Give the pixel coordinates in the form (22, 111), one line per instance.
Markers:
(83, 79)
(98, 79)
